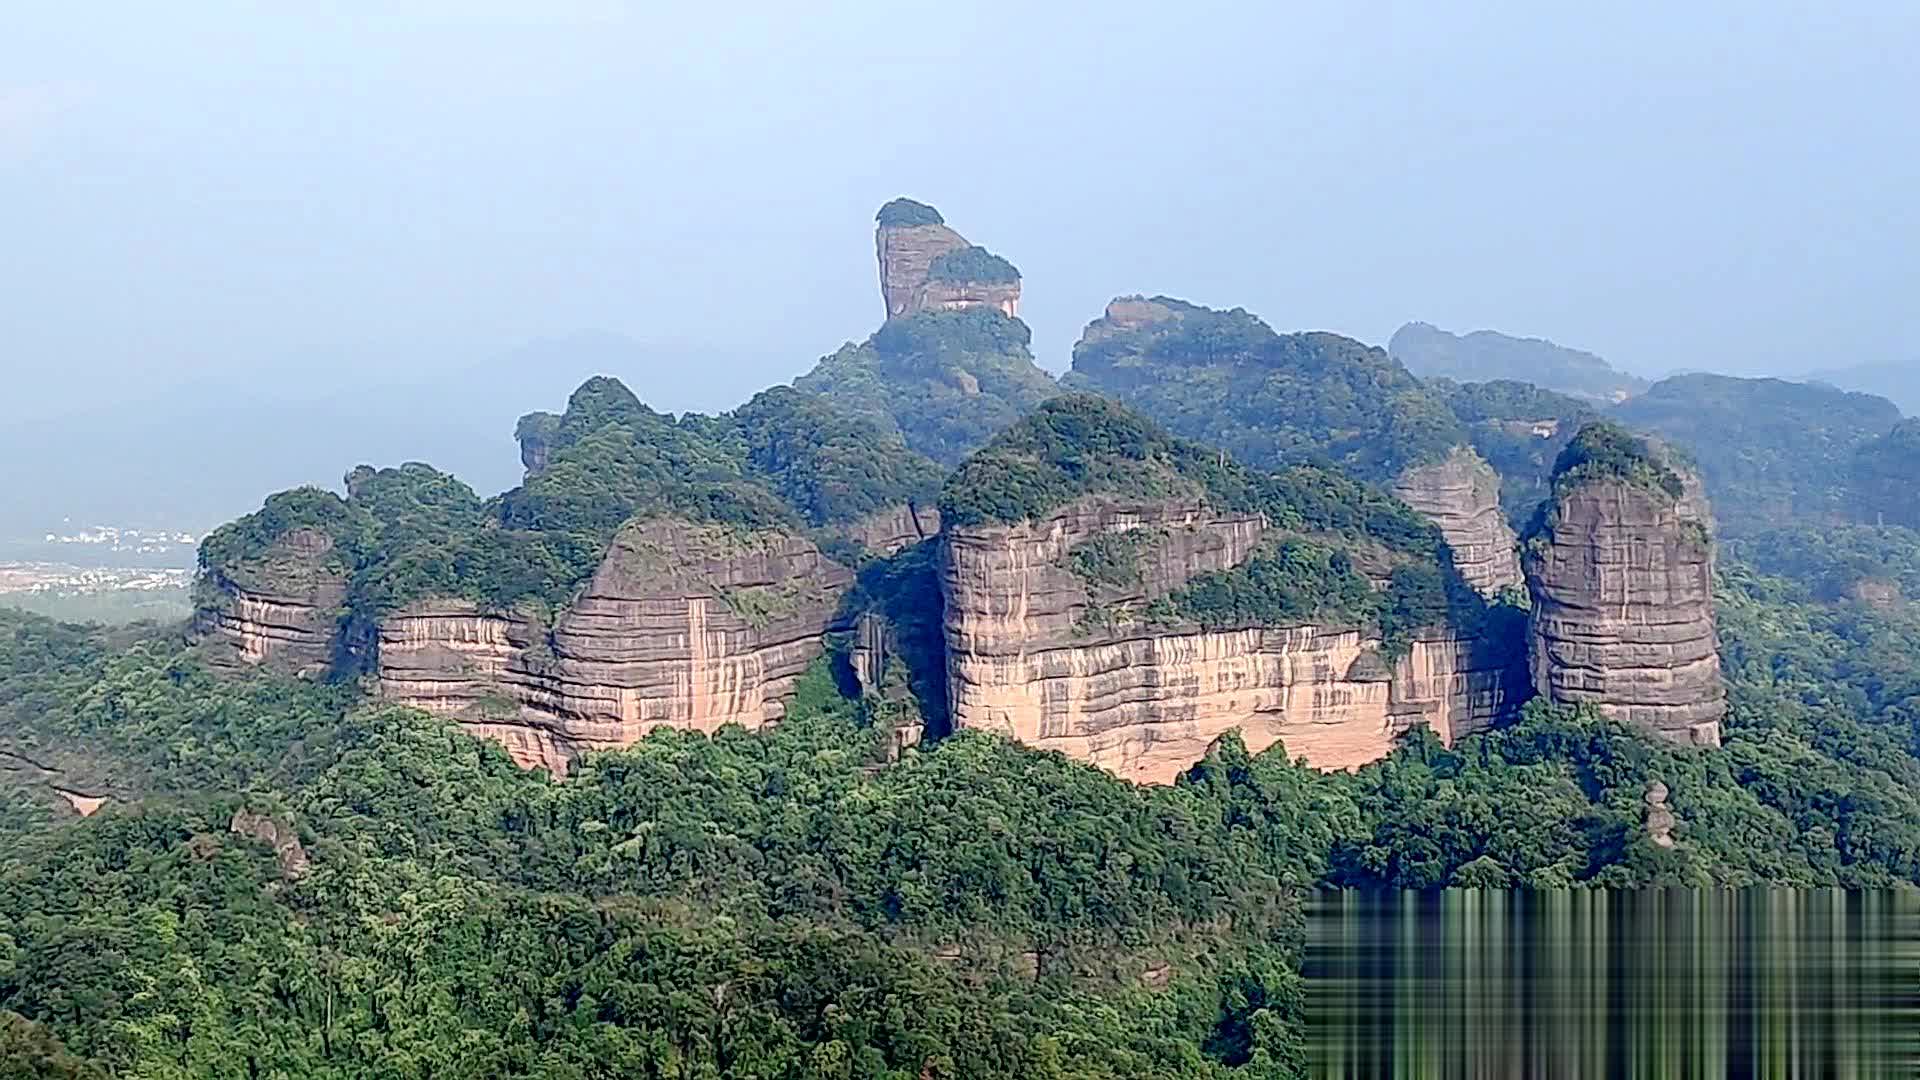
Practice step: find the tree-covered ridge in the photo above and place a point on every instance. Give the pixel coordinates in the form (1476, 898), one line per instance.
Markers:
(944, 381)
(1770, 452)
(785, 460)
(1884, 478)
(252, 537)
(904, 213)
(1606, 451)
(1227, 379)
(972, 264)
(1084, 444)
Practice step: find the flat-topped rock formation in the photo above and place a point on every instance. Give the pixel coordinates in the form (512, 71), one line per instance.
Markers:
(688, 626)
(1621, 573)
(1461, 494)
(926, 266)
(281, 610)
(1035, 652)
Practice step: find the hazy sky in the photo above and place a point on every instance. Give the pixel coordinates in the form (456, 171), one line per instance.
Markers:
(243, 197)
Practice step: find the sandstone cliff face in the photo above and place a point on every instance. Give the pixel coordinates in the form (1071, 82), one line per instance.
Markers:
(1622, 584)
(279, 835)
(1462, 495)
(906, 255)
(280, 611)
(683, 625)
(894, 529)
(1033, 655)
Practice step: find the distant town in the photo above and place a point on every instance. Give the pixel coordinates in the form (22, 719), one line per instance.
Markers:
(113, 538)
(81, 580)
(104, 573)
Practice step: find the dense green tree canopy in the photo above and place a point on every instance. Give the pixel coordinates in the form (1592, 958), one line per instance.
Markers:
(945, 381)
(1225, 378)
(973, 264)
(1770, 452)
(905, 213)
(1606, 451)
(785, 460)
(1885, 478)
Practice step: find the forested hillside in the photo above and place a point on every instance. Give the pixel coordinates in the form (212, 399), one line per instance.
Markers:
(1227, 379)
(1771, 452)
(945, 381)
(771, 901)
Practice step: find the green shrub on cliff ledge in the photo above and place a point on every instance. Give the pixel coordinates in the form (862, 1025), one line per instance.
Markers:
(1607, 451)
(904, 213)
(973, 264)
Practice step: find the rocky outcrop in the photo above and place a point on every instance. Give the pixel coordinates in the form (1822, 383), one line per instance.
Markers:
(1659, 815)
(1040, 655)
(1621, 575)
(46, 777)
(279, 611)
(907, 253)
(1461, 494)
(885, 532)
(276, 834)
(688, 626)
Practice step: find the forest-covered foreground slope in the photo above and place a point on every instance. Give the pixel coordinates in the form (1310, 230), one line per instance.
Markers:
(775, 904)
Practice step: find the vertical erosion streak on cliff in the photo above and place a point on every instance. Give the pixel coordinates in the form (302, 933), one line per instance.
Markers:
(683, 625)
(1035, 655)
(1622, 584)
(699, 695)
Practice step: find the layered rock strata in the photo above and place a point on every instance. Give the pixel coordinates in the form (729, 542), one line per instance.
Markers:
(688, 626)
(1461, 494)
(894, 529)
(1621, 576)
(1039, 655)
(280, 611)
(907, 253)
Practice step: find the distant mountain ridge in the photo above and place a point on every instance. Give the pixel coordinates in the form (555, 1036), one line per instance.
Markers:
(1897, 382)
(1487, 355)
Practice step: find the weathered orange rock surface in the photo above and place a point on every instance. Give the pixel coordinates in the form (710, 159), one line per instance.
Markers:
(1033, 655)
(1622, 584)
(906, 254)
(281, 610)
(689, 626)
(1461, 495)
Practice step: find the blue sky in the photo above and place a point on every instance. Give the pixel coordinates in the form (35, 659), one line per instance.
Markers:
(233, 199)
